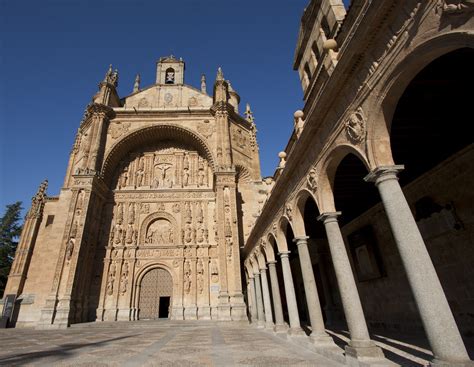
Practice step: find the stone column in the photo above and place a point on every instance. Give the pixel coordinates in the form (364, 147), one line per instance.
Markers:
(437, 318)
(258, 290)
(279, 320)
(318, 333)
(360, 345)
(252, 299)
(295, 326)
(266, 299)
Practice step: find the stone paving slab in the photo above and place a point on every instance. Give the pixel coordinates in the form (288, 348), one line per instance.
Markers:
(153, 343)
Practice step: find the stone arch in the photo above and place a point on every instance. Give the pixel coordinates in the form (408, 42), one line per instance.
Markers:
(280, 233)
(253, 263)
(248, 268)
(149, 135)
(139, 277)
(298, 212)
(260, 256)
(395, 83)
(329, 165)
(268, 250)
(150, 219)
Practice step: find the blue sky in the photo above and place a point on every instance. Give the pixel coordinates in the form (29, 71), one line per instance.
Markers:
(53, 53)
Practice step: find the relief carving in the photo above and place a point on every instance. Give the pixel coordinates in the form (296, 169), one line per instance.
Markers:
(206, 128)
(167, 166)
(124, 279)
(311, 181)
(111, 280)
(117, 129)
(200, 276)
(187, 277)
(160, 232)
(355, 126)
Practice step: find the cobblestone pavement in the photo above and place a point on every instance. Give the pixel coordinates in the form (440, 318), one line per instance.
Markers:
(153, 343)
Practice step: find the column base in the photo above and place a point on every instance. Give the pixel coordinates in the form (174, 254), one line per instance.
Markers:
(269, 325)
(296, 332)
(177, 313)
(438, 363)
(190, 313)
(365, 353)
(204, 313)
(123, 314)
(322, 340)
(239, 312)
(280, 329)
(260, 324)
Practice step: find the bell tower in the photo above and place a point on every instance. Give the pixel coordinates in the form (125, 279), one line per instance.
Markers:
(170, 70)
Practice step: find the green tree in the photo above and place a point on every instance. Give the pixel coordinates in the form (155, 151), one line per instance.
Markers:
(10, 230)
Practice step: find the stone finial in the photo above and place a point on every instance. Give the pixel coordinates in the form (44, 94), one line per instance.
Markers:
(136, 85)
(248, 113)
(220, 74)
(330, 44)
(282, 156)
(298, 122)
(111, 77)
(203, 84)
(37, 201)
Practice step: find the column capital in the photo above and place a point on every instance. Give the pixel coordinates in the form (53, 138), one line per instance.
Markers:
(257, 274)
(300, 240)
(284, 254)
(384, 173)
(329, 217)
(271, 262)
(262, 270)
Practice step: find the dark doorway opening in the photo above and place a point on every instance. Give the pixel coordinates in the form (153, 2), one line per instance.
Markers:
(163, 312)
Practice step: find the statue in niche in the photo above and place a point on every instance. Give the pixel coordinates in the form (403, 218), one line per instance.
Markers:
(185, 177)
(227, 228)
(206, 235)
(80, 200)
(129, 234)
(188, 216)
(228, 242)
(201, 172)
(186, 162)
(200, 213)
(200, 276)
(188, 233)
(124, 280)
(187, 277)
(118, 234)
(139, 175)
(200, 233)
(69, 249)
(131, 213)
(123, 180)
(111, 279)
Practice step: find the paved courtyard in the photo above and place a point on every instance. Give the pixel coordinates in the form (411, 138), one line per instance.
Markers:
(157, 343)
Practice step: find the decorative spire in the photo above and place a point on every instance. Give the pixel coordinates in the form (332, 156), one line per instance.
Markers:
(220, 74)
(203, 84)
(248, 114)
(136, 85)
(37, 201)
(111, 77)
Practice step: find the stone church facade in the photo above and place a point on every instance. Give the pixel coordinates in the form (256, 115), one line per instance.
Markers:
(152, 212)
(366, 224)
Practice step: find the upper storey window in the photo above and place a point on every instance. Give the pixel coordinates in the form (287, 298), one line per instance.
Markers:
(169, 77)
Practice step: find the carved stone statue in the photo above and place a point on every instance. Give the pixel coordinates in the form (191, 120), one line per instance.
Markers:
(70, 249)
(200, 276)
(187, 277)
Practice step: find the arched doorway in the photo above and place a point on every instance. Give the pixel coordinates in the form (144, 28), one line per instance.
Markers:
(156, 290)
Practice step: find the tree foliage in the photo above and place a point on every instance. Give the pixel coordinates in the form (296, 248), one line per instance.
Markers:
(10, 230)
